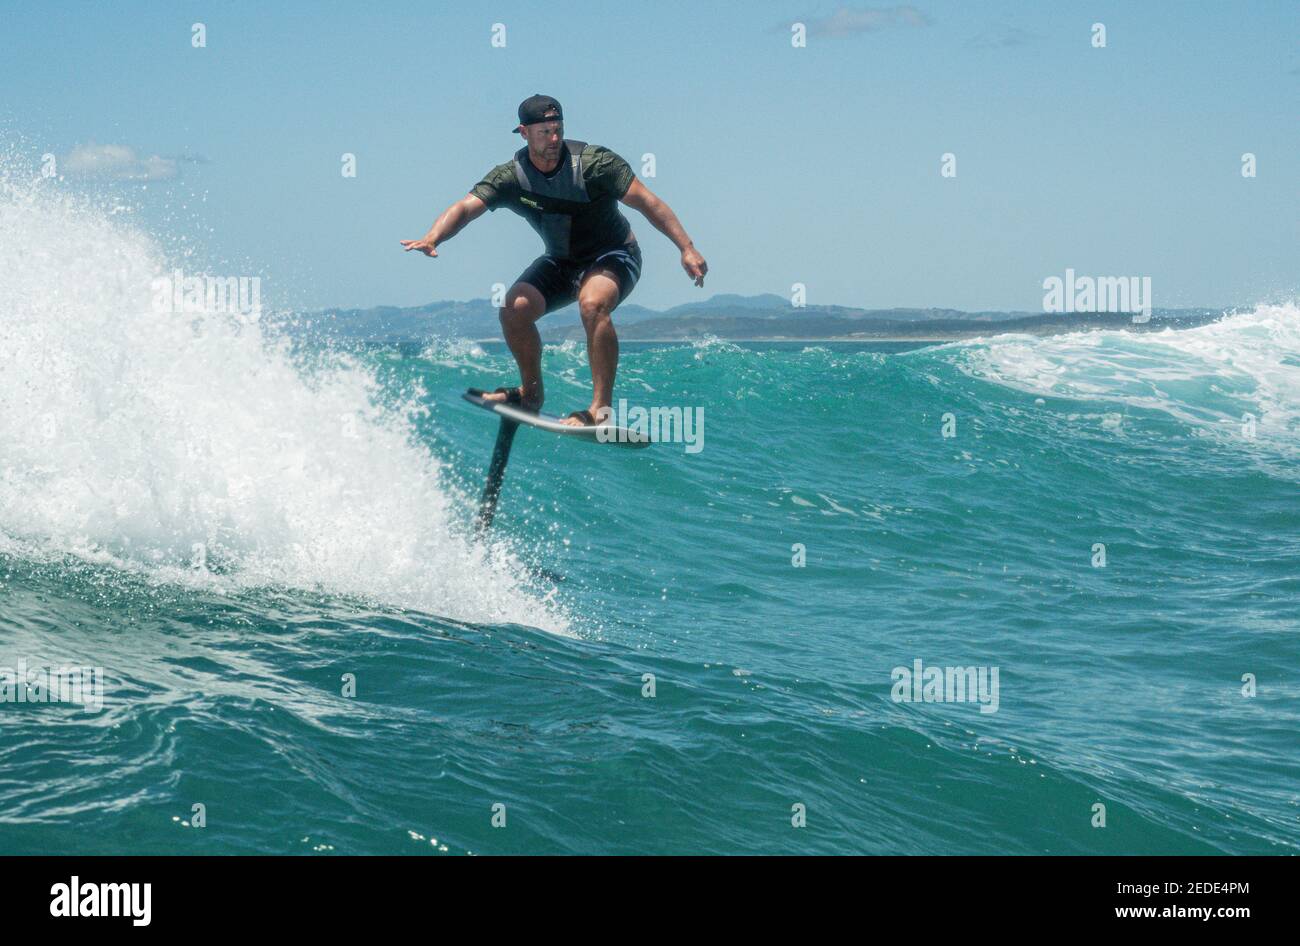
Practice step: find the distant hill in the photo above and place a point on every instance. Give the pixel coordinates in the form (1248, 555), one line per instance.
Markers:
(729, 300)
(726, 316)
(474, 318)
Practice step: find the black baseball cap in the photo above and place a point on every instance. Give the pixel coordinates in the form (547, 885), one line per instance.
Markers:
(539, 108)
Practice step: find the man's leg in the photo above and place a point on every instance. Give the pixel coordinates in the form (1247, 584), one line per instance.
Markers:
(523, 307)
(598, 296)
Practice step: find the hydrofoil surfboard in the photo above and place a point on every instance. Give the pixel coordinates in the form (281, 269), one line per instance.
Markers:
(600, 433)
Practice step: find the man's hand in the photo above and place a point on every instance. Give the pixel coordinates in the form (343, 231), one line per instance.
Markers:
(694, 265)
(448, 225)
(424, 245)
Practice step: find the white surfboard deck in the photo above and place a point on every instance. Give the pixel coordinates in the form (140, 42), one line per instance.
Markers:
(602, 434)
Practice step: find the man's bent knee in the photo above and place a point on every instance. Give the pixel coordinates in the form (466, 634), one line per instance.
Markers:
(522, 306)
(594, 311)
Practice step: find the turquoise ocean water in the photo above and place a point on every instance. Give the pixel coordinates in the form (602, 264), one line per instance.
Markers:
(236, 530)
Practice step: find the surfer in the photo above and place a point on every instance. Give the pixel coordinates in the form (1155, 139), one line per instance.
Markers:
(567, 190)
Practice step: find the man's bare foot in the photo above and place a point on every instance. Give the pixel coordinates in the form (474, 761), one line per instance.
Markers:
(525, 403)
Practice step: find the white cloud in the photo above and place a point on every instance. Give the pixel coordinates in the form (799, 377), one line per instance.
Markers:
(121, 162)
(848, 20)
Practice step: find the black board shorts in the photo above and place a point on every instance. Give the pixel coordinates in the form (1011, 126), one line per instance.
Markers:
(558, 279)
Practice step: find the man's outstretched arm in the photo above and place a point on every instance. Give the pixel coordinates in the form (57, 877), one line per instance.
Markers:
(659, 214)
(451, 222)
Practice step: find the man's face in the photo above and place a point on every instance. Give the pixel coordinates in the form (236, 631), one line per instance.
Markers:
(544, 139)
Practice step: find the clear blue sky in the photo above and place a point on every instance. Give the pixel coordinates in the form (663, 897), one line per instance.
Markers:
(817, 165)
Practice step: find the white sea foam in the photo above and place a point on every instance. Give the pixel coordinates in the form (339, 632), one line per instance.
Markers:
(193, 447)
(454, 353)
(1211, 376)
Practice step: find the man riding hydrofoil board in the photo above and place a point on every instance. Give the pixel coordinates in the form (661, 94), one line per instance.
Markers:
(567, 191)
